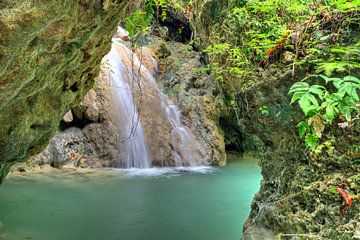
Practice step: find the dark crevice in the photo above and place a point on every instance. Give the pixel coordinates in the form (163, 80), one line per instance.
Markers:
(77, 122)
(179, 29)
(233, 135)
(35, 126)
(74, 87)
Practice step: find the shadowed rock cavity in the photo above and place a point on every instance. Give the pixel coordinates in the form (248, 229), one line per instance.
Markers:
(175, 26)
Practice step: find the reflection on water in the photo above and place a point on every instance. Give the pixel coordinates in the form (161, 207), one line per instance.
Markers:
(133, 204)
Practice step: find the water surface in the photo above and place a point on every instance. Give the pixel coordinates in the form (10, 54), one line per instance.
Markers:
(160, 204)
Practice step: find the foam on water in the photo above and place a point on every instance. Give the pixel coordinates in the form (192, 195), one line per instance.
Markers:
(165, 171)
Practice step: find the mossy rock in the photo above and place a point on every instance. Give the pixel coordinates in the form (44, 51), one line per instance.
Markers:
(50, 53)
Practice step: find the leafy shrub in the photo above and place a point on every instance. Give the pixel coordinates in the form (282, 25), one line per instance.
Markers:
(335, 97)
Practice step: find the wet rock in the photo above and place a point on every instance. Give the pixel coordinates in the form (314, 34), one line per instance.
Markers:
(148, 59)
(70, 148)
(122, 34)
(94, 144)
(90, 106)
(157, 121)
(195, 94)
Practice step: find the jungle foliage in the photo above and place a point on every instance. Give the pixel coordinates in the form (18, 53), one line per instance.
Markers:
(316, 34)
(250, 30)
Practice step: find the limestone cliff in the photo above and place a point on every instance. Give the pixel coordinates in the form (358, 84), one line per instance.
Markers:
(50, 52)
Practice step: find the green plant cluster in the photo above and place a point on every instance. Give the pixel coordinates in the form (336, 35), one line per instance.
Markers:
(249, 29)
(312, 31)
(332, 97)
(139, 22)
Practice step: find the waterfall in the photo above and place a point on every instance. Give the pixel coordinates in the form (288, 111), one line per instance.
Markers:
(129, 78)
(185, 146)
(132, 135)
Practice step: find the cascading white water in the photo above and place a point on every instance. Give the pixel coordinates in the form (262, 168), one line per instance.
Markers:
(185, 147)
(125, 66)
(132, 136)
(184, 142)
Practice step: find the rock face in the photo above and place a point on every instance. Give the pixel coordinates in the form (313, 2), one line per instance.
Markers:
(70, 148)
(296, 195)
(198, 95)
(203, 15)
(89, 140)
(50, 52)
(100, 142)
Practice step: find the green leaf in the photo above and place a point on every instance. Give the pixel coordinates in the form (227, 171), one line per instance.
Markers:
(330, 113)
(296, 96)
(304, 104)
(352, 79)
(329, 67)
(337, 82)
(346, 105)
(311, 141)
(350, 89)
(349, 102)
(334, 191)
(346, 111)
(326, 78)
(302, 127)
(299, 87)
(318, 90)
(312, 99)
